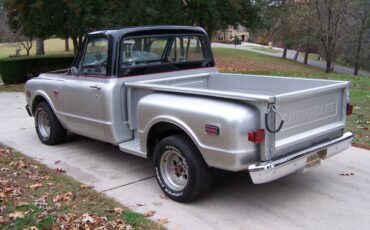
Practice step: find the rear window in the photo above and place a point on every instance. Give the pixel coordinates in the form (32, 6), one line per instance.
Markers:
(150, 54)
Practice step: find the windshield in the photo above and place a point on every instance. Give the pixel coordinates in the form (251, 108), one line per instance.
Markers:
(170, 52)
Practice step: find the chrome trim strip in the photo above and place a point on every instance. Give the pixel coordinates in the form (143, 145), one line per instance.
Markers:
(271, 170)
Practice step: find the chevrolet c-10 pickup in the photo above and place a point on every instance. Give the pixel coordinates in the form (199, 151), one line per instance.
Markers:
(155, 93)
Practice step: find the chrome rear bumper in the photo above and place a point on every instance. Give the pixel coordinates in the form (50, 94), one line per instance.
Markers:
(271, 170)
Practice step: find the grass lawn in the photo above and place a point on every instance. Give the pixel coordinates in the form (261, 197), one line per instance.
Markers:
(12, 88)
(33, 196)
(240, 61)
(264, 49)
(311, 56)
(52, 46)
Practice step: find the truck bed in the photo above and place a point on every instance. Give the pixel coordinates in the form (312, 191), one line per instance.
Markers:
(313, 110)
(242, 86)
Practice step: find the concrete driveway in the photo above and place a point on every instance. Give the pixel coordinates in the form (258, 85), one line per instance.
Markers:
(318, 199)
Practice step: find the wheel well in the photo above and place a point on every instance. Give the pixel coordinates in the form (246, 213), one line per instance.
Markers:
(159, 131)
(37, 101)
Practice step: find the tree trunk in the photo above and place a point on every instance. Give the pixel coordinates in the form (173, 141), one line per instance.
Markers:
(305, 60)
(80, 38)
(75, 45)
(40, 46)
(296, 55)
(328, 66)
(284, 52)
(358, 52)
(66, 45)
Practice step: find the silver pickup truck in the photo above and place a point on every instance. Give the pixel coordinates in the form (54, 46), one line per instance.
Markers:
(155, 92)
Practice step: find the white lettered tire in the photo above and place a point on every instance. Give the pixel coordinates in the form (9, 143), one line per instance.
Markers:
(180, 170)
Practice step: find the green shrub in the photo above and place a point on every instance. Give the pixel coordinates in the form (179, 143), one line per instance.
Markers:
(15, 70)
(237, 41)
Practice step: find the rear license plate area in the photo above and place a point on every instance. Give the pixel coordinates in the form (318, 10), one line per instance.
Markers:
(314, 159)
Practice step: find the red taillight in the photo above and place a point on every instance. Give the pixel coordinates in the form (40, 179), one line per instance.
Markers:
(257, 136)
(349, 109)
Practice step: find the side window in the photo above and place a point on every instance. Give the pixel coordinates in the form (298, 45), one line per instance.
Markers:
(94, 60)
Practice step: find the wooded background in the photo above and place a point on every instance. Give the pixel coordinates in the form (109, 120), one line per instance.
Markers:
(338, 30)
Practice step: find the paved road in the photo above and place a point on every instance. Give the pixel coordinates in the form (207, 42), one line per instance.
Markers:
(290, 55)
(318, 199)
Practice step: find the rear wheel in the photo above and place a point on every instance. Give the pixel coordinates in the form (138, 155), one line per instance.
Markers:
(48, 128)
(180, 170)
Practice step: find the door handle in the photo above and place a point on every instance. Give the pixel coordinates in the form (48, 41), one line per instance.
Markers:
(98, 87)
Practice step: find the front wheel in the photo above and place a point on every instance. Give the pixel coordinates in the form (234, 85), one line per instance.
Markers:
(180, 170)
(48, 128)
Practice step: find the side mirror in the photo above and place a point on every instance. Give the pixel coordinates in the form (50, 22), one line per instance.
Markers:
(74, 70)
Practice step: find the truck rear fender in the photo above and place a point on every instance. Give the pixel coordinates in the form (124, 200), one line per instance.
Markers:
(160, 115)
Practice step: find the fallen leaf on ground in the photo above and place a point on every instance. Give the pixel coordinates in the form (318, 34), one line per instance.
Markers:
(163, 197)
(57, 162)
(18, 164)
(347, 174)
(31, 228)
(118, 210)
(35, 166)
(60, 170)
(86, 218)
(138, 204)
(86, 186)
(4, 169)
(64, 197)
(33, 186)
(45, 178)
(16, 214)
(163, 221)
(22, 204)
(129, 227)
(2, 220)
(149, 213)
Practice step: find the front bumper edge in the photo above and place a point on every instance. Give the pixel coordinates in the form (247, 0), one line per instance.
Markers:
(267, 171)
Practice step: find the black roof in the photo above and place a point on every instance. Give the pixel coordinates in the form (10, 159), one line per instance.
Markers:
(149, 30)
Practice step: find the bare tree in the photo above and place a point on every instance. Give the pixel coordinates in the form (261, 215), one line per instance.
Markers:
(360, 23)
(328, 19)
(27, 44)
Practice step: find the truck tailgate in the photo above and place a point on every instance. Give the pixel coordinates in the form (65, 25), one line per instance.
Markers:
(310, 117)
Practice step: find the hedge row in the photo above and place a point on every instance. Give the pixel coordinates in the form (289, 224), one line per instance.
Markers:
(17, 70)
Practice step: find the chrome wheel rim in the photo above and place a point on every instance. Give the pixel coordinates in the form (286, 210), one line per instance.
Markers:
(43, 124)
(174, 170)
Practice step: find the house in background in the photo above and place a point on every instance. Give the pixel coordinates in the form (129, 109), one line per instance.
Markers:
(231, 32)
